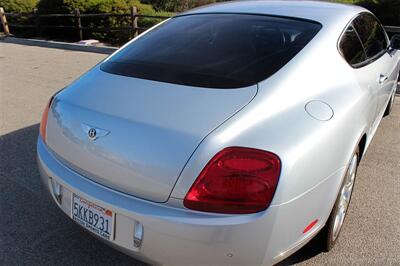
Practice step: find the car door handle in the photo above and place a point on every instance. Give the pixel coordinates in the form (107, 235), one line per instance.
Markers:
(382, 78)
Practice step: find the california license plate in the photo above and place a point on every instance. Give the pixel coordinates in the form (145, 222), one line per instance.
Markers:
(93, 217)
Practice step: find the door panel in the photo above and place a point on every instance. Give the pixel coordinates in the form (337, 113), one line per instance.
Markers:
(376, 43)
(353, 52)
(386, 80)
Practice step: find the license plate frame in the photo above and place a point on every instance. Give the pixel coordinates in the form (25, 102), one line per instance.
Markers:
(84, 212)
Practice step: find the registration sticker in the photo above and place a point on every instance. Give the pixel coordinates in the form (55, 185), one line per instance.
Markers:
(93, 217)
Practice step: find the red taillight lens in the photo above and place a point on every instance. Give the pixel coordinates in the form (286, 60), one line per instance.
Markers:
(43, 122)
(236, 180)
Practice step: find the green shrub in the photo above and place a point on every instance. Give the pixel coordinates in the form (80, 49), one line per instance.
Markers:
(51, 6)
(388, 11)
(178, 5)
(18, 6)
(95, 7)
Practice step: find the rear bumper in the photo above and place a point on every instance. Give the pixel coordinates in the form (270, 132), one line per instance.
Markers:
(173, 236)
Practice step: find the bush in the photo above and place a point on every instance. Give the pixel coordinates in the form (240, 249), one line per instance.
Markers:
(18, 6)
(84, 6)
(178, 5)
(101, 6)
(386, 10)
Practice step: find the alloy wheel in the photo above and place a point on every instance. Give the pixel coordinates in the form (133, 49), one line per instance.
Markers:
(344, 197)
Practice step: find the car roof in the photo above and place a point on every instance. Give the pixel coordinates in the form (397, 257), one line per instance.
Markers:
(323, 12)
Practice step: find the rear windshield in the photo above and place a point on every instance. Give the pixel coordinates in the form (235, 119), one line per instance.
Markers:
(214, 50)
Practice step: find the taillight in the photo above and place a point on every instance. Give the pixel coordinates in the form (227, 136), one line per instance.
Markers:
(43, 122)
(236, 180)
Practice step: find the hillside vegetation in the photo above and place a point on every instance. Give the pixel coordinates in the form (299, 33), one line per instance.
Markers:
(388, 11)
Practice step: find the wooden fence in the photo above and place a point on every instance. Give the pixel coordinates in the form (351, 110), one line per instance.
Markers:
(77, 16)
(38, 26)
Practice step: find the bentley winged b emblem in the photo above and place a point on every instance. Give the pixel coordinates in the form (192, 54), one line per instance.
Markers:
(94, 133)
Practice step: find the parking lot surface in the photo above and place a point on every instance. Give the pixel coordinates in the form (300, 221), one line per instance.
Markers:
(33, 231)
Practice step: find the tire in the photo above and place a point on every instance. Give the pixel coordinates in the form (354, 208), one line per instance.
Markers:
(390, 105)
(330, 232)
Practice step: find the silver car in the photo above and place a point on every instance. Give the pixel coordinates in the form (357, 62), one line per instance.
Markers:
(229, 134)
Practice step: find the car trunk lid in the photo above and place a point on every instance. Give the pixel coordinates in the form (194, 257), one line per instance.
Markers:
(145, 130)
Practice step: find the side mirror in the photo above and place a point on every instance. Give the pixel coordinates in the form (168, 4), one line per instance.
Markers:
(395, 42)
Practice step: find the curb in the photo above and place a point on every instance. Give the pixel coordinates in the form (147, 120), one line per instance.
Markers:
(61, 45)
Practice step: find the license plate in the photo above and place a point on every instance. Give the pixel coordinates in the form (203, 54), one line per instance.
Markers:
(93, 217)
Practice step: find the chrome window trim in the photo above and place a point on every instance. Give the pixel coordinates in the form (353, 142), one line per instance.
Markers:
(370, 59)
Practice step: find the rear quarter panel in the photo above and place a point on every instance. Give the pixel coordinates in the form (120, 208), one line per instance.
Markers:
(314, 154)
(311, 151)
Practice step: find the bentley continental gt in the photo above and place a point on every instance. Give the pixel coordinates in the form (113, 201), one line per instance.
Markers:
(228, 134)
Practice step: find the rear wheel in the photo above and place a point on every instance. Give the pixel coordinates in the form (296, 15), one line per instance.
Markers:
(330, 233)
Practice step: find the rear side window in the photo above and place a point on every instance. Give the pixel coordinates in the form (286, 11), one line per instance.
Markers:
(371, 34)
(351, 47)
(214, 50)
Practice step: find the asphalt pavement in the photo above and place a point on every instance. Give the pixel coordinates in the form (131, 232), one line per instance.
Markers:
(33, 231)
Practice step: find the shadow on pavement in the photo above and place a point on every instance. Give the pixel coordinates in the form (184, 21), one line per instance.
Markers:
(32, 229)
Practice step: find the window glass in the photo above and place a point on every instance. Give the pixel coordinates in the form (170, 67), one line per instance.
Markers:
(351, 47)
(214, 50)
(371, 34)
